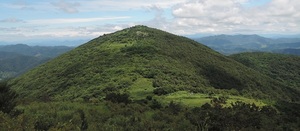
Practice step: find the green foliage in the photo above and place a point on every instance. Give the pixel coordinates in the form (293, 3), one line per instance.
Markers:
(155, 104)
(163, 91)
(118, 98)
(106, 115)
(139, 49)
(7, 98)
(14, 64)
(284, 68)
(240, 116)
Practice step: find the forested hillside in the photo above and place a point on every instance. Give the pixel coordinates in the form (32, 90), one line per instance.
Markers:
(284, 68)
(120, 60)
(13, 64)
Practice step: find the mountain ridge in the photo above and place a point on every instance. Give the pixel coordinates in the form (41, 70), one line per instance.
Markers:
(37, 51)
(231, 44)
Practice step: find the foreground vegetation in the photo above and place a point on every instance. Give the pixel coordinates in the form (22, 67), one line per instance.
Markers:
(120, 112)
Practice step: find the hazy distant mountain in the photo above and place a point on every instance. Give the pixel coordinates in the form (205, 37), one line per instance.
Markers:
(50, 42)
(230, 44)
(288, 51)
(16, 59)
(38, 51)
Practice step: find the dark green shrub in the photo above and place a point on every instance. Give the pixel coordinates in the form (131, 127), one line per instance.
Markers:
(155, 104)
(7, 98)
(118, 98)
(163, 91)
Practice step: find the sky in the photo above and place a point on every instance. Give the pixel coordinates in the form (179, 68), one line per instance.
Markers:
(37, 20)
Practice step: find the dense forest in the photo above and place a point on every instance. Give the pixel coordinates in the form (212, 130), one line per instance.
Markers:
(142, 78)
(284, 68)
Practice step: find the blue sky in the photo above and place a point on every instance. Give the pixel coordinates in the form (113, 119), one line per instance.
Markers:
(25, 20)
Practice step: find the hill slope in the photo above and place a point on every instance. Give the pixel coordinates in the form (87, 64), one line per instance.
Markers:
(144, 61)
(284, 68)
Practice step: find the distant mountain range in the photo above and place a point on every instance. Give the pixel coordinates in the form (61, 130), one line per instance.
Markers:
(231, 44)
(16, 59)
(37, 51)
(43, 42)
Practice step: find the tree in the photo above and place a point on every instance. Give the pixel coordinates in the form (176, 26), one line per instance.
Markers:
(7, 98)
(200, 117)
(118, 98)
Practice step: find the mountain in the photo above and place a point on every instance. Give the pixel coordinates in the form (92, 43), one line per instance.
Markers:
(49, 42)
(38, 51)
(13, 64)
(19, 58)
(142, 78)
(231, 44)
(149, 60)
(284, 68)
(288, 51)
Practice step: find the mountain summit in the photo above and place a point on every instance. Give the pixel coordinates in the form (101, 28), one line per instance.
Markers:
(144, 61)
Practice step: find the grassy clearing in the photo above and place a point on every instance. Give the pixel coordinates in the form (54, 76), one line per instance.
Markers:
(141, 88)
(197, 99)
(185, 98)
(233, 99)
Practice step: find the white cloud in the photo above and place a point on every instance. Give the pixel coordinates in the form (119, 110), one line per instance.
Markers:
(81, 32)
(73, 20)
(177, 16)
(21, 5)
(11, 20)
(121, 5)
(67, 7)
(231, 16)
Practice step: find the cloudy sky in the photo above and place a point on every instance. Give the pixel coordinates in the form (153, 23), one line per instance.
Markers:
(85, 19)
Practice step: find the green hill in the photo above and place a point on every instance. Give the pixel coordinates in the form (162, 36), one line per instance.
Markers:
(142, 78)
(144, 61)
(284, 68)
